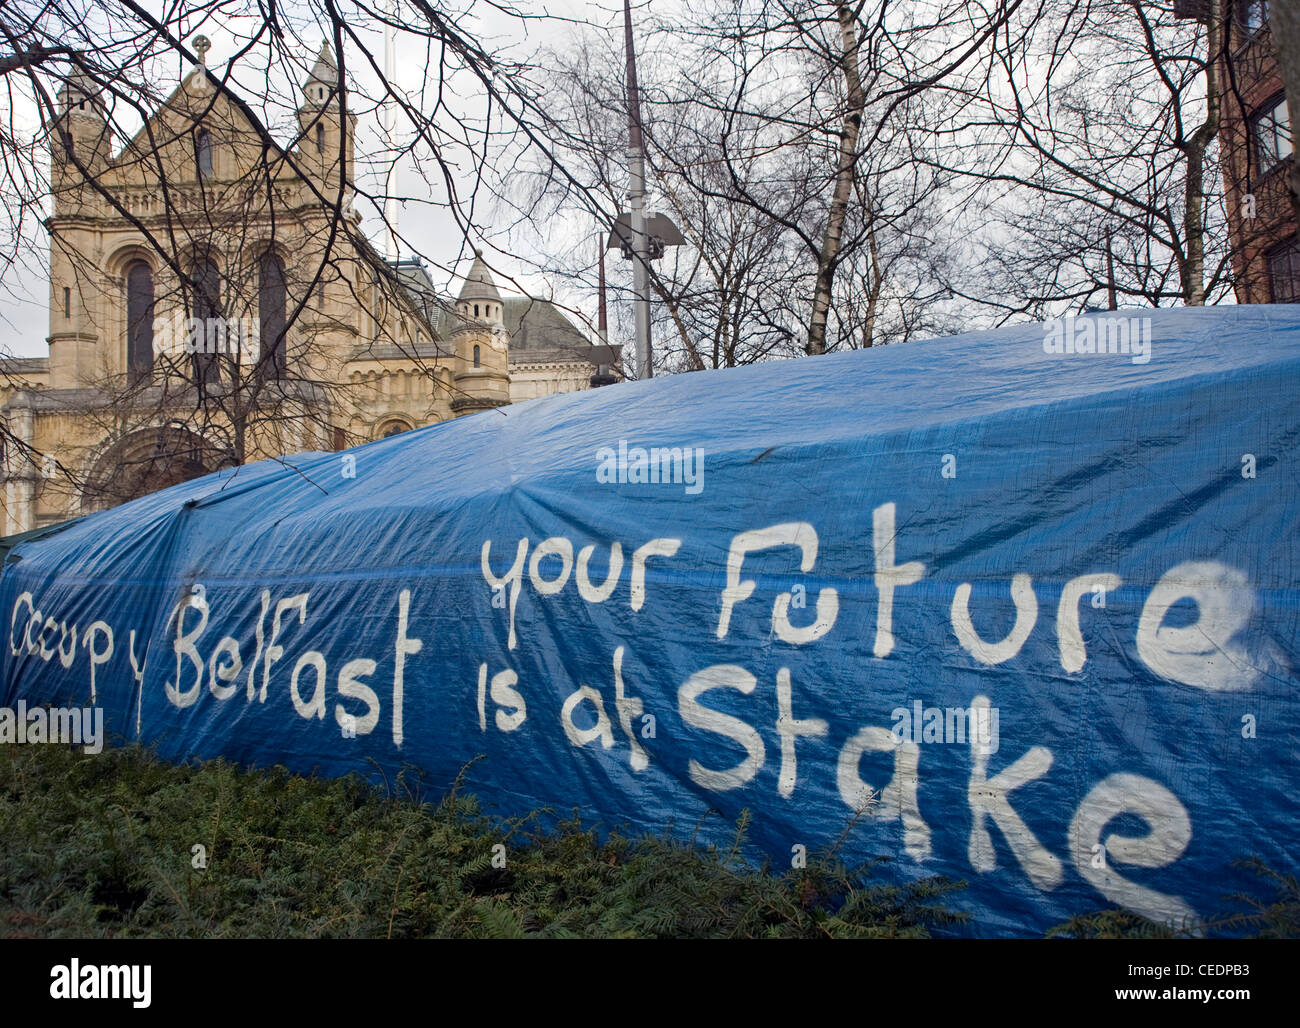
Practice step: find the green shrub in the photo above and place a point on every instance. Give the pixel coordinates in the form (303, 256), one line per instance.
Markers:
(103, 846)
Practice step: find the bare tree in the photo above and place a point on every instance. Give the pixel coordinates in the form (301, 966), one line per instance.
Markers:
(1093, 146)
(871, 69)
(783, 139)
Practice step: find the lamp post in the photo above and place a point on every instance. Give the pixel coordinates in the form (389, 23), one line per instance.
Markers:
(636, 206)
(641, 237)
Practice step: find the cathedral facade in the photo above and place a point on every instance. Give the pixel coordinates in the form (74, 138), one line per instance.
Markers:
(214, 302)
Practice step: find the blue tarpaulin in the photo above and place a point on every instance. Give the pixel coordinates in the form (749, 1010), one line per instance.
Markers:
(1018, 607)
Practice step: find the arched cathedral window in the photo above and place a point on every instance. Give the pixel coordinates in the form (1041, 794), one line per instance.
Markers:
(139, 319)
(208, 324)
(271, 316)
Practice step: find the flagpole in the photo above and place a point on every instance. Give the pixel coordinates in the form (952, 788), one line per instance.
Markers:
(390, 125)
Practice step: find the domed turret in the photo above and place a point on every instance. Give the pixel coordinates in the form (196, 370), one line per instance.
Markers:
(82, 118)
(479, 299)
(323, 78)
(324, 144)
(482, 378)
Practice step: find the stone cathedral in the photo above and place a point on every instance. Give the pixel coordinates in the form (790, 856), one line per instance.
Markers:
(213, 302)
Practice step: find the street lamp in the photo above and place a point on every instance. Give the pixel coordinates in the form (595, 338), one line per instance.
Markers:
(640, 238)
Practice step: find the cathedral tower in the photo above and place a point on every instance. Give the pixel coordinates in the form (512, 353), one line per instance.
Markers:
(80, 150)
(482, 378)
(324, 138)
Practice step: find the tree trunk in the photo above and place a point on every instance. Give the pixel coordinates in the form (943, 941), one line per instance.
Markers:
(828, 258)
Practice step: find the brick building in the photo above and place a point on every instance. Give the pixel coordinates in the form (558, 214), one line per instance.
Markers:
(1256, 142)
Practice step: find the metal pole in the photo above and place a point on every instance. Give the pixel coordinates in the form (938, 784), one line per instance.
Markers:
(602, 316)
(1110, 274)
(390, 124)
(636, 206)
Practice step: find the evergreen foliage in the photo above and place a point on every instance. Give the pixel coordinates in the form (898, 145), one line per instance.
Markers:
(102, 847)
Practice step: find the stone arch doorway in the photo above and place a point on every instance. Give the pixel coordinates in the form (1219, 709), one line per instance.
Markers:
(146, 461)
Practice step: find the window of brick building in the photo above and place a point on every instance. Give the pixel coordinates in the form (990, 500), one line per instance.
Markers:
(1271, 132)
(1284, 271)
(1252, 15)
